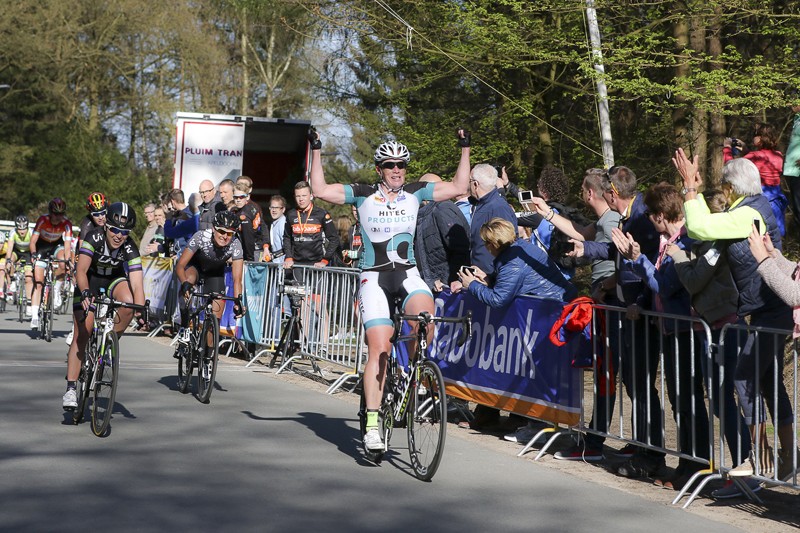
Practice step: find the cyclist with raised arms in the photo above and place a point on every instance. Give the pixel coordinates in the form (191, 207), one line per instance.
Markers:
(19, 250)
(388, 215)
(52, 237)
(204, 259)
(108, 262)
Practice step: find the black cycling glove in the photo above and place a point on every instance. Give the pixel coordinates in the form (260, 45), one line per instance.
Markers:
(464, 141)
(313, 139)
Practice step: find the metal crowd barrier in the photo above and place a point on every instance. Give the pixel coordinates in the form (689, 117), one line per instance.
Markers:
(330, 324)
(652, 365)
(768, 348)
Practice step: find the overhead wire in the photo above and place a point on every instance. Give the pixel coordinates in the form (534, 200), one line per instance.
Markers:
(410, 30)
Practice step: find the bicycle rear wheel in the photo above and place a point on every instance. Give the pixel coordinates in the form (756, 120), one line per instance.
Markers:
(47, 315)
(105, 385)
(208, 357)
(426, 418)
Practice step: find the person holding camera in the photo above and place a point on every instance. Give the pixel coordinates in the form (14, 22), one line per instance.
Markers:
(388, 212)
(520, 268)
(769, 162)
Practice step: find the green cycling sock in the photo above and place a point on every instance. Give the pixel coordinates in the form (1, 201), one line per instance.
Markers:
(372, 419)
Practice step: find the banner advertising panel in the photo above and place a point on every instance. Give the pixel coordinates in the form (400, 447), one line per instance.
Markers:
(509, 362)
(207, 150)
(157, 273)
(227, 325)
(255, 296)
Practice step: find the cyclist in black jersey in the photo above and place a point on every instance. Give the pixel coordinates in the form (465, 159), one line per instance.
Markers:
(388, 215)
(108, 262)
(204, 260)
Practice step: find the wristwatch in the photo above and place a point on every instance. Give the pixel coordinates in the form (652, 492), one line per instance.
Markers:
(684, 191)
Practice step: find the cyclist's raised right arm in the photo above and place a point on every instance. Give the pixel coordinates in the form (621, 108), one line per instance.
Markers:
(334, 192)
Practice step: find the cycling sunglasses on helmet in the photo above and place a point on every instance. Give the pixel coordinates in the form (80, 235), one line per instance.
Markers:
(388, 165)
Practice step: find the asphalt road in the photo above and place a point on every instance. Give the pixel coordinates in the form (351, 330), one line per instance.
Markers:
(265, 455)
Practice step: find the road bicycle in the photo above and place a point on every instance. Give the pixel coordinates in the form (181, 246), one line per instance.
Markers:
(67, 290)
(20, 297)
(415, 399)
(100, 370)
(46, 303)
(202, 350)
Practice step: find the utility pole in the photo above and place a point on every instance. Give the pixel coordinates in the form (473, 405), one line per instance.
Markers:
(602, 93)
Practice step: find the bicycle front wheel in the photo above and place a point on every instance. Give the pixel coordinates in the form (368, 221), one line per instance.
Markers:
(82, 385)
(426, 420)
(106, 375)
(184, 354)
(208, 357)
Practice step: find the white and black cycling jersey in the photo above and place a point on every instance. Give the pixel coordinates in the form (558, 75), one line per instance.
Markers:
(210, 258)
(108, 262)
(387, 227)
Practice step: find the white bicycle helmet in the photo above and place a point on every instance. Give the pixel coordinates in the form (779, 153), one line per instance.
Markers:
(392, 150)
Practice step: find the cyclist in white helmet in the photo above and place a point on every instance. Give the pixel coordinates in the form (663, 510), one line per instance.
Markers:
(388, 215)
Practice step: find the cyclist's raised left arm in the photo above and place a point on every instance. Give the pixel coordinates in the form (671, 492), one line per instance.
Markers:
(444, 190)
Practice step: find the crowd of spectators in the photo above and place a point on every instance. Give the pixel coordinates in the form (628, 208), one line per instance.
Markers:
(715, 255)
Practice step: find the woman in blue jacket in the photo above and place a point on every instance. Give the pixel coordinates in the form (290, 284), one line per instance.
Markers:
(520, 268)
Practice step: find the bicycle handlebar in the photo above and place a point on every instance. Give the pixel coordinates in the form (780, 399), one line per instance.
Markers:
(427, 318)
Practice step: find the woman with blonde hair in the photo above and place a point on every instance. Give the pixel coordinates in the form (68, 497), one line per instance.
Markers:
(521, 268)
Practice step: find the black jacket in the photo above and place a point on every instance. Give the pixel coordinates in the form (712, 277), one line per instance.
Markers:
(441, 243)
(305, 233)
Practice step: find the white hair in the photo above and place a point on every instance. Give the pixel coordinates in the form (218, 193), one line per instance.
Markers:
(485, 175)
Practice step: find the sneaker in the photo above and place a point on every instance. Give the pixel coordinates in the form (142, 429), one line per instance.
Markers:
(373, 441)
(184, 335)
(641, 466)
(70, 400)
(731, 490)
(579, 453)
(34, 322)
(68, 340)
(522, 435)
(627, 451)
(743, 470)
(785, 469)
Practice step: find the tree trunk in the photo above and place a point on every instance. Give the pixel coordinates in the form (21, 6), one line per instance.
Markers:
(718, 127)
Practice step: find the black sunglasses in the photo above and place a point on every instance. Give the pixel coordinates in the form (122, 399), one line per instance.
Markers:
(388, 165)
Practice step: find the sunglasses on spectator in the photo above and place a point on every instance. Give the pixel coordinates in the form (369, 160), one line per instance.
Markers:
(119, 231)
(207, 191)
(225, 231)
(240, 197)
(388, 165)
(98, 214)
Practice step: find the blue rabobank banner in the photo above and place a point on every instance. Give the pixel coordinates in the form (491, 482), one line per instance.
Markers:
(509, 362)
(255, 295)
